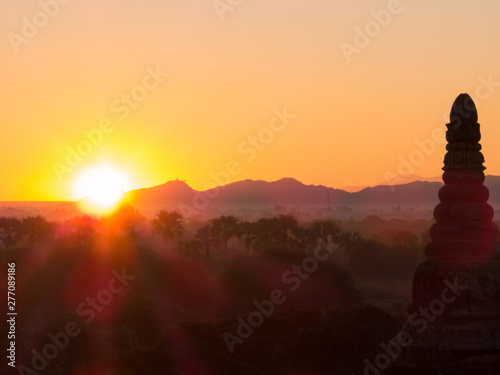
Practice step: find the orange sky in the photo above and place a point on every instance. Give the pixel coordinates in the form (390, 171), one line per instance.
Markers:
(230, 70)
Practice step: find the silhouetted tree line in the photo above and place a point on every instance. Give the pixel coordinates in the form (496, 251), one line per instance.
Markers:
(63, 264)
(391, 253)
(29, 230)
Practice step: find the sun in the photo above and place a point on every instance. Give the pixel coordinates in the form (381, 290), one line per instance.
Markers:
(100, 188)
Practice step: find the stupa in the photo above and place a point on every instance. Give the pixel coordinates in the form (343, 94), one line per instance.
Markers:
(454, 317)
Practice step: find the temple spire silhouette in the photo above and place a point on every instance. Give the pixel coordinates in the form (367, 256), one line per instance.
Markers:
(464, 230)
(454, 323)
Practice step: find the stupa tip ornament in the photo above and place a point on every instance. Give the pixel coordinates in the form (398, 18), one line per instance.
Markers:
(463, 111)
(463, 136)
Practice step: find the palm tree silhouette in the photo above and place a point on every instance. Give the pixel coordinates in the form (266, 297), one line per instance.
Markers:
(325, 230)
(36, 228)
(223, 229)
(126, 219)
(347, 240)
(281, 232)
(10, 231)
(204, 235)
(169, 226)
(289, 232)
(248, 232)
(84, 230)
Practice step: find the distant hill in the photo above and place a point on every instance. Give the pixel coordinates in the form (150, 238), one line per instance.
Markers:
(286, 192)
(408, 178)
(289, 192)
(398, 180)
(171, 193)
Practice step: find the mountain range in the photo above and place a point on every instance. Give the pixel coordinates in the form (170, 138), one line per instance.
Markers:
(397, 180)
(415, 199)
(289, 192)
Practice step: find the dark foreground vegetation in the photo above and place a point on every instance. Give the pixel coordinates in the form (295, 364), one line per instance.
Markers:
(124, 295)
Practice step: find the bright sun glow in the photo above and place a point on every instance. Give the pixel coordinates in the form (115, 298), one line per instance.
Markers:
(102, 187)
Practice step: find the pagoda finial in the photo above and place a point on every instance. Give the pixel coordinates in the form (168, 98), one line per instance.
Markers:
(463, 110)
(463, 136)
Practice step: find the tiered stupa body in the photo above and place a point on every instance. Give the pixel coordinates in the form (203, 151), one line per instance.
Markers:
(454, 322)
(463, 231)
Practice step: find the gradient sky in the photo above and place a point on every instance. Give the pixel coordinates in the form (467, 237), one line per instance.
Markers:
(354, 120)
